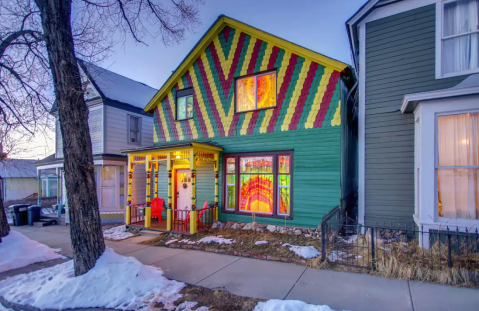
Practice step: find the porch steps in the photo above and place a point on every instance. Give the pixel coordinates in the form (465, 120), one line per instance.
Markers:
(151, 233)
(44, 222)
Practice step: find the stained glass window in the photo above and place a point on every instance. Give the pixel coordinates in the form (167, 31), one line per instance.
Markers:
(284, 185)
(256, 92)
(258, 184)
(230, 184)
(184, 107)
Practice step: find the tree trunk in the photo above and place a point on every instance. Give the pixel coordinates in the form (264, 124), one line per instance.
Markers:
(85, 225)
(4, 226)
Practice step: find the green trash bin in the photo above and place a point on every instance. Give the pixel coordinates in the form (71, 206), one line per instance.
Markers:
(33, 214)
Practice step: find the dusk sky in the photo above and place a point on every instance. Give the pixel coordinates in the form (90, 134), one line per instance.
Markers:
(317, 25)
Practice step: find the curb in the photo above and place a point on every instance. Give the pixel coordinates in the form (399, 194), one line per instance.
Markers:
(15, 306)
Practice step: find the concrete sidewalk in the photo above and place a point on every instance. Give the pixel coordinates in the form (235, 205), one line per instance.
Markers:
(276, 280)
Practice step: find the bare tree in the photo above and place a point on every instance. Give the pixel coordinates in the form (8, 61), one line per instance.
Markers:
(48, 36)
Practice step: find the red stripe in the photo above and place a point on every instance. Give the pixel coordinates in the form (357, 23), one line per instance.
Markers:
(232, 71)
(252, 122)
(211, 100)
(226, 33)
(254, 57)
(197, 108)
(333, 80)
(282, 92)
(226, 81)
(160, 125)
(304, 94)
(272, 57)
(170, 116)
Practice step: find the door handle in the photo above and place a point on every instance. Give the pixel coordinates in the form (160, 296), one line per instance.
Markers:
(177, 194)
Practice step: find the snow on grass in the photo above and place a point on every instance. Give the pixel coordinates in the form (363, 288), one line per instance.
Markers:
(3, 308)
(350, 239)
(216, 239)
(19, 251)
(117, 233)
(171, 241)
(187, 241)
(260, 242)
(306, 252)
(340, 255)
(116, 282)
(289, 305)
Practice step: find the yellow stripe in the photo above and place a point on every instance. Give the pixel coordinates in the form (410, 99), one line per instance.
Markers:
(163, 122)
(318, 98)
(226, 63)
(247, 58)
(281, 73)
(214, 90)
(337, 115)
(267, 55)
(247, 118)
(179, 130)
(199, 96)
(296, 93)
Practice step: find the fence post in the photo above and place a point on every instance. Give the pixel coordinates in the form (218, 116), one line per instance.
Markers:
(449, 255)
(193, 221)
(323, 242)
(128, 215)
(169, 219)
(373, 250)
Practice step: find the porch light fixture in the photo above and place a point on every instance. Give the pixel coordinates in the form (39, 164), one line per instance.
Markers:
(177, 156)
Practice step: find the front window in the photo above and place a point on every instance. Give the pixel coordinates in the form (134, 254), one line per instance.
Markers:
(459, 37)
(256, 92)
(458, 166)
(184, 104)
(259, 184)
(134, 130)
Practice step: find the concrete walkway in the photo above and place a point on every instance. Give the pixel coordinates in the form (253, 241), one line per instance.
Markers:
(276, 280)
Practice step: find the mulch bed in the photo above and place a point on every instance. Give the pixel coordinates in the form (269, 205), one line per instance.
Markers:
(244, 245)
(215, 300)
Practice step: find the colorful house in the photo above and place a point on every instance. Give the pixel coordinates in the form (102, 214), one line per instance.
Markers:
(258, 127)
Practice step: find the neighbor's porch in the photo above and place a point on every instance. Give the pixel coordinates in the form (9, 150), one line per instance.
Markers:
(174, 169)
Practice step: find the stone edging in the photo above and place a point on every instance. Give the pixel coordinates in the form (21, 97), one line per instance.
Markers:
(311, 233)
(236, 253)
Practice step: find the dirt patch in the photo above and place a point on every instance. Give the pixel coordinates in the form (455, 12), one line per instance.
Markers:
(244, 243)
(216, 300)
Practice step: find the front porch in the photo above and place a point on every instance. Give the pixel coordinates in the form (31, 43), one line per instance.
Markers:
(170, 184)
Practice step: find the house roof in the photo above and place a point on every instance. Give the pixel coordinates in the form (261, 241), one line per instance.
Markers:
(116, 87)
(470, 86)
(214, 30)
(51, 158)
(18, 168)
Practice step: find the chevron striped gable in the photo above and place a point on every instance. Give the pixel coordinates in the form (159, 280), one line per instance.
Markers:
(308, 93)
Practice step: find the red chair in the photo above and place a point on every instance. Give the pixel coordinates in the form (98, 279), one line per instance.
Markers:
(198, 220)
(157, 208)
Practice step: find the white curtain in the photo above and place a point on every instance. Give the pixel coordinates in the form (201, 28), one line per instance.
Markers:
(458, 182)
(462, 52)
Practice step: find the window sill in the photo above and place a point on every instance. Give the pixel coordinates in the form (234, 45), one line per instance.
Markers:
(443, 223)
(455, 74)
(260, 109)
(184, 119)
(256, 215)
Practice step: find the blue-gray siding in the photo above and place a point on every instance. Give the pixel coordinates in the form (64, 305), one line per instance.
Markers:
(400, 59)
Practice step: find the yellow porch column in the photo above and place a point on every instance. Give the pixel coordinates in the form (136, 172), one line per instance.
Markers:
(128, 202)
(148, 190)
(193, 192)
(169, 212)
(217, 164)
(156, 168)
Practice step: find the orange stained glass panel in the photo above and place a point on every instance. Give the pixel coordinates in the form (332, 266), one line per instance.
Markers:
(256, 194)
(245, 90)
(266, 91)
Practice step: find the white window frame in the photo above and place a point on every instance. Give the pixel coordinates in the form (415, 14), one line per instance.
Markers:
(439, 38)
(129, 116)
(427, 202)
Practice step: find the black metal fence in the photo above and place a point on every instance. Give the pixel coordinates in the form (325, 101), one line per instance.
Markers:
(346, 242)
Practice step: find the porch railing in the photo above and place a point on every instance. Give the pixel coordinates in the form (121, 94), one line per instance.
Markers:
(181, 220)
(135, 217)
(205, 217)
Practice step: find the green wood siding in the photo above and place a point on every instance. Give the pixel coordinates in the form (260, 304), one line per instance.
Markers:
(163, 186)
(400, 59)
(205, 183)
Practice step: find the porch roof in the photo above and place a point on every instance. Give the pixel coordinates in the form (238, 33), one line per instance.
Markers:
(207, 146)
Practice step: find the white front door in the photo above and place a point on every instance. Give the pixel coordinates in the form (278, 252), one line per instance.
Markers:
(109, 181)
(183, 188)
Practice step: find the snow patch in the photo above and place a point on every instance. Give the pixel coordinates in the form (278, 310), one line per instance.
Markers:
(216, 239)
(306, 252)
(19, 251)
(115, 282)
(117, 233)
(350, 239)
(171, 241)
(187, 241)
(260, 242)
(3, 308)
(289, 305)
(340, 255)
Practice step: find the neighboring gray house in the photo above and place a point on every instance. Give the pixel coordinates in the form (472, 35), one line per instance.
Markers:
(18, 179)
(418, 111)
(117, 121)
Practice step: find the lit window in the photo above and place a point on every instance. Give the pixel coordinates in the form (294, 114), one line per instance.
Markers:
(459, 45)
(256, 92)
(134, 130)
(257, 179)
(184, 104)
(458, 166)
